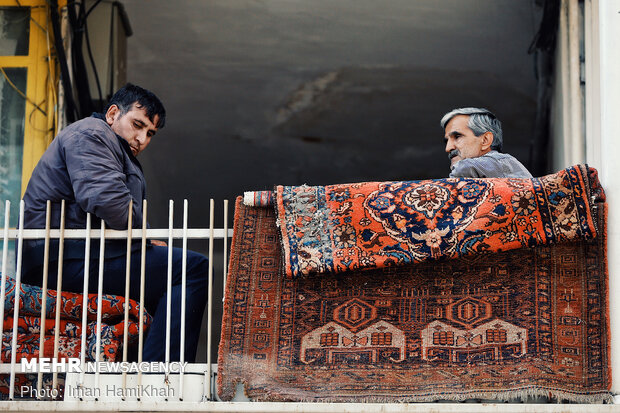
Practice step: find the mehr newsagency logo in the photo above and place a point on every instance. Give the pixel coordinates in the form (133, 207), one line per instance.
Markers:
(74, 365)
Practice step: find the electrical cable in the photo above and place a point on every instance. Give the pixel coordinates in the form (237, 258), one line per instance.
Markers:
(124, 19)
(31, 19)
(80, 77)
(111, 51)
(51, 79)
(90, 10)
(62, 60)
(22, 94)
(78, 26)
(92, 60)
(32, 125)
(25, 97)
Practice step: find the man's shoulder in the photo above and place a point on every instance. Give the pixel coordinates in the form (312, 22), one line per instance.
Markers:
(490, 165)
(90, 123)
(511, 166)
(88, 129)
(473, 167)
(498, 156)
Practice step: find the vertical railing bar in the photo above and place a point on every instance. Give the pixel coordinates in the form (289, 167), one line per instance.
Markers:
(5, 258)
(85, 301)
(142, 282)
(169, 289)
(99, 303)
(18, 279)
(210, 299)
(127, 285)
(46, 257)
(225, 248)
(183, 296)
(225, 263)
(61, 247)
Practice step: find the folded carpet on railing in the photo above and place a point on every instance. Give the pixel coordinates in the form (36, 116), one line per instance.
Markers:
(71, 304)
(485, 323)
(338, 228)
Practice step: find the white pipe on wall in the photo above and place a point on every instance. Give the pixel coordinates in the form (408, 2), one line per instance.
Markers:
(609, 35)
(592, 115)
(562, 138)
(576, 149)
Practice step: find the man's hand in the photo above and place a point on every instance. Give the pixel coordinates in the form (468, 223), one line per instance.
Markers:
(159, 243)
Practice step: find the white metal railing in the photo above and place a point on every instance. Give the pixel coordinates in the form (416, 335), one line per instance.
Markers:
(61, 234)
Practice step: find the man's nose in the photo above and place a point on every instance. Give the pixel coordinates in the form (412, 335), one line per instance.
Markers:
(450, 145)
(142, 138)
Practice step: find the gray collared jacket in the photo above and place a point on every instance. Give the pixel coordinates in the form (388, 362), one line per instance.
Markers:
(93, 170)
(490, 165)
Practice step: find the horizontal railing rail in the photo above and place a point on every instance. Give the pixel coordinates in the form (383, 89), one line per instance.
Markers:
(151, 233)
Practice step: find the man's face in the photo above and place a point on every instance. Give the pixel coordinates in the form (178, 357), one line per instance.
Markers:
(461, 142)
(134, 126)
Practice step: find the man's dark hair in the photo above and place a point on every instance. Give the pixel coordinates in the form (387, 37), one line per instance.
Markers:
(129, 94)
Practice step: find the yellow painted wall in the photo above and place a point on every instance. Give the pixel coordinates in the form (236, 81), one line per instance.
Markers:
(42, 84)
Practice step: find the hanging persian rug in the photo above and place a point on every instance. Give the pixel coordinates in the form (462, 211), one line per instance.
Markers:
(502, 325)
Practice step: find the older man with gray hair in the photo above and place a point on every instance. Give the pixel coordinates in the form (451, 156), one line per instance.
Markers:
(473, 138)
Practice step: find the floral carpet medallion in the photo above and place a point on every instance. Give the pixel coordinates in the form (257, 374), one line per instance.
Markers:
(426, 217)
(339, 228)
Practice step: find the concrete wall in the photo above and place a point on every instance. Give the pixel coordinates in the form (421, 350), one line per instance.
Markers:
(270, 92)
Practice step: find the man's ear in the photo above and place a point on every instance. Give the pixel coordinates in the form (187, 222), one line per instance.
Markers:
(487, 141)
(110, 115)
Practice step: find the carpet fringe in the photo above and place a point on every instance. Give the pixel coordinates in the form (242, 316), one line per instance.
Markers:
(556, 396)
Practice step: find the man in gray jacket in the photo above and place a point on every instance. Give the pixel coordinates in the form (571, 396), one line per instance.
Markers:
(473, 138)
(92, 165)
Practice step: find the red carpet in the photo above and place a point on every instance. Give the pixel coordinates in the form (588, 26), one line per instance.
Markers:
(532, 321)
